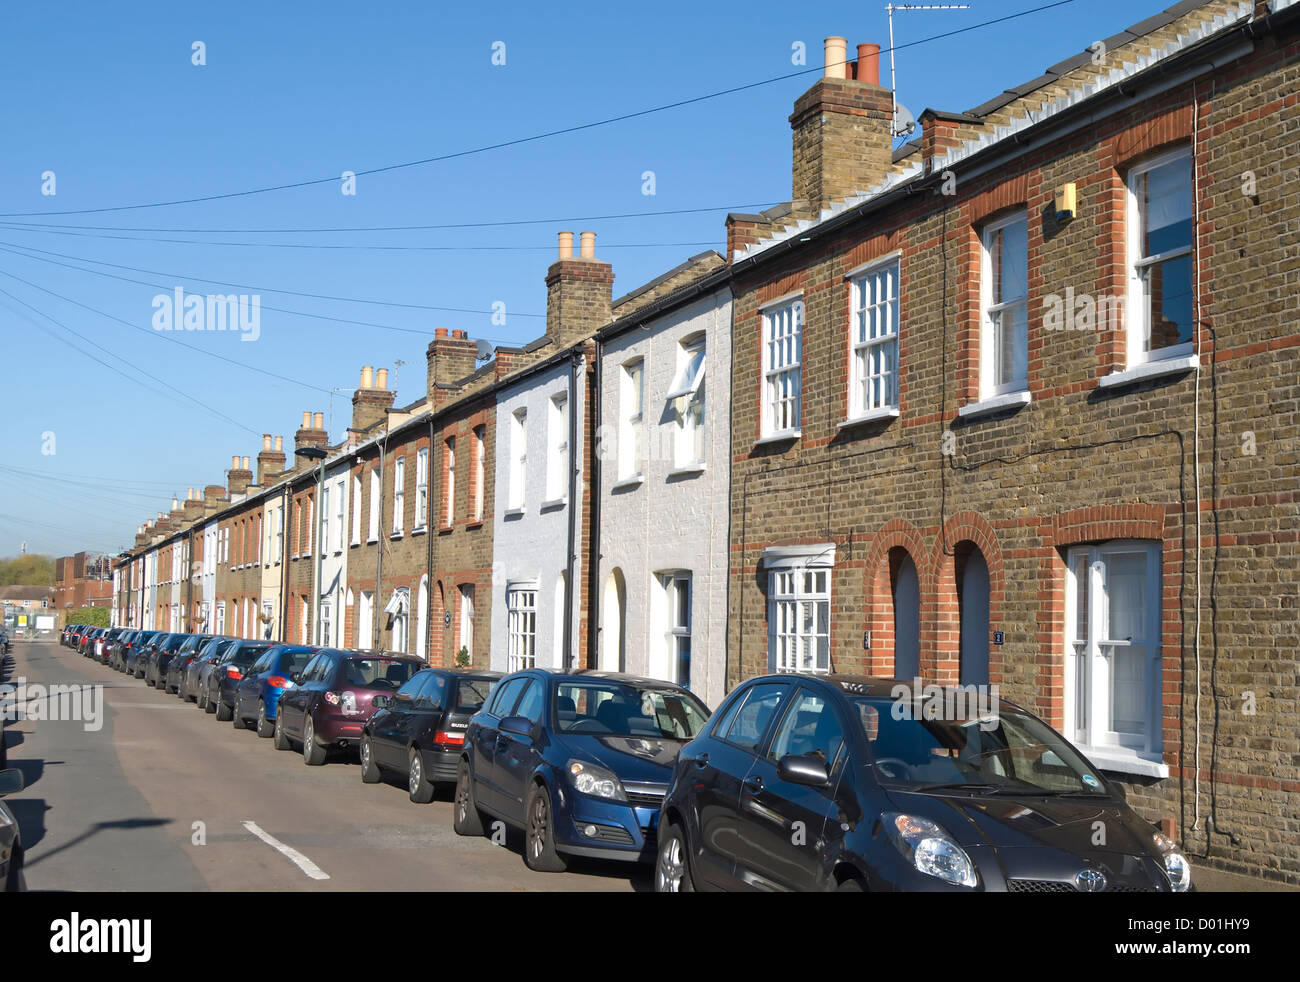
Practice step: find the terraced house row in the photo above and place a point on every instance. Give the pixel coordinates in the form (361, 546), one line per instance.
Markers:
(1016, 403)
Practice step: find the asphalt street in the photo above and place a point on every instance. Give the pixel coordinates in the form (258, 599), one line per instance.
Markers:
(163, 797)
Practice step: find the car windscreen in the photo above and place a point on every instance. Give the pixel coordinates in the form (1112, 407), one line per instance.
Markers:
(376, 673)
(621, 709)
(471, 694)
(945, 744)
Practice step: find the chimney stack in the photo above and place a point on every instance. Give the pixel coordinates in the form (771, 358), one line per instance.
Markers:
(214, 496)
(193, 506)
(311, 433)
(239, 477)
(371, 401)
(270, 462)
(842, 129)
(579, 291)
(450, 357)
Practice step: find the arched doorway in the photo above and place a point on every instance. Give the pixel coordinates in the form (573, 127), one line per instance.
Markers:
(905, 588)
(422, 618)
(973, 611)
(613, 649)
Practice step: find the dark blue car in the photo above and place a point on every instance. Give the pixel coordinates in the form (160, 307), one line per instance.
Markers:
(258, 692)
(580, 761)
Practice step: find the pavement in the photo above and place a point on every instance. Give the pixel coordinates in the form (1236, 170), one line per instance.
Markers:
(163, 798)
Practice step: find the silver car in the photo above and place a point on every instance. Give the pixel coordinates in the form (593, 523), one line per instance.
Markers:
(11, 849)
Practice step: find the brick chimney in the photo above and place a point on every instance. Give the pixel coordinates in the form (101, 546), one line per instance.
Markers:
(579, 291)
(371, 399)
(450, 357)
(843, 141)
(193, 505)
(312, 433)
(270, 461)
(177, 515)
(141, 539)
(941, 132)
(239, 477)
(214, 496)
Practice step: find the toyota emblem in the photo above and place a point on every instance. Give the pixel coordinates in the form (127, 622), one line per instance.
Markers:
(1090, 881)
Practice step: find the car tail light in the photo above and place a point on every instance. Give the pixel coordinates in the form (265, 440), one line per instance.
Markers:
(332, 698)
(233, 673)
(446, 736)
(278, 682)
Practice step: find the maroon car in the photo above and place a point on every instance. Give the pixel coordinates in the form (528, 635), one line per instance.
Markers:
(332, 698)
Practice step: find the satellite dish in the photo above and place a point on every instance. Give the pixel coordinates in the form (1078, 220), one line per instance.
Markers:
(904, 121)
(484, 352)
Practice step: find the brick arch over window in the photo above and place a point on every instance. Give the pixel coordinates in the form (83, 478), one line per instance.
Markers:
(879, 599)
(966, 526)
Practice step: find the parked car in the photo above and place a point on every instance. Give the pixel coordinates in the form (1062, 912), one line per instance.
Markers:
(84, 644)
(334, 697)
(225, 675)
(160, 656)
(11, 846)
(102, 644)
(118, 645)
(196, 671)
(258, 692)
(580, 761)
(889, 793)
(178, 662)
(136, 659)
(419, 732)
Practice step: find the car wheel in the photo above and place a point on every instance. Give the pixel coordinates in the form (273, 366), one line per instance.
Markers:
(281, 738)
(264, 726)
(466, 819)
(313, 754)
(420, 787)
(539, 833)
(236, 717)
(672, 871)
(852, 885)
(224, 712)
(14, 881)
(369, 769)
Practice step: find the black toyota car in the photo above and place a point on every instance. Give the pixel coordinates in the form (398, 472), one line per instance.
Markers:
(850, 783)
(419, 731)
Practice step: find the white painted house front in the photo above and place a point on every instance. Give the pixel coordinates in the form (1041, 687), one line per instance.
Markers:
(664, 444)
(334, 538)
(531, 517)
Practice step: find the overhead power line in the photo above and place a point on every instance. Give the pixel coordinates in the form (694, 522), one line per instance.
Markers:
(518, 141)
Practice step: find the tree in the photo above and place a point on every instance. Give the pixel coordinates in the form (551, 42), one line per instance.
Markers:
(29, 570)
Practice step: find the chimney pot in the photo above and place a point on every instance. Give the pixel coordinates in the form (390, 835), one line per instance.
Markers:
(367, 376)
(234, 463)
(439, 332)
(566, 245)
(244, 461)
(266, 441)
(588, 245)
(306, 419)
(381, 379)
(319, 421)
(279, 442)
(869, 63)
(175, 504)
(835, 49)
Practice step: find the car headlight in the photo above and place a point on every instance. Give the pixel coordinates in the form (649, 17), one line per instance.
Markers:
(594, 780)
(930, 849)
(1177, 868)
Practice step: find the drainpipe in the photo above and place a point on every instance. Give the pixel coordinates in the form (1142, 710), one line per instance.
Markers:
(570, 585)
(284, 565)
(593, 546)
(379, 553)
(429, 534)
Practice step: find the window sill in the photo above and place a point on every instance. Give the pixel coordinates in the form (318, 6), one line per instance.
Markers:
(1150, 369)
(420, 530)
(514, 512)
(476, 524)
(784, 436)
(372, 540)
(444, 529)
(396, 535)
(994, 404)
(1122, 761)
(690, 470)
(889, 412)
(554, 503)
(627, 482)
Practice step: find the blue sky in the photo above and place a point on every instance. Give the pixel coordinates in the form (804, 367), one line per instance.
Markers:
(106, 97)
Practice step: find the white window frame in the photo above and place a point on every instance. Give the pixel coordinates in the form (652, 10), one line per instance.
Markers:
(788, 596)
(867, 307)
(356, 509)
(521, 625)
(557, 457)
(375, 500)
(340, 512)
(631, 438)
(422, 489)
(1088, 699)
(480, 454)
(366, 621)
(990, 320)
(783, 323)
(687, 396)
(676, 632)
(518, 459)
(323, 629)
(1137, 324)
(399, 494)
(325, 519)
(466, 593)
(402, 621)
(449, 490)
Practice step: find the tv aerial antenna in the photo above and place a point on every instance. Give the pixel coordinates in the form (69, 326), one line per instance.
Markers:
(903, 123)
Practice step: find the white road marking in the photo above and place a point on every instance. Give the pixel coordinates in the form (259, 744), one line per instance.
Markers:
(301, 861)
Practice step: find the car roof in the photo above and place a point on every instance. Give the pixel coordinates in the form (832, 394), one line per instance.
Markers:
(594, 673)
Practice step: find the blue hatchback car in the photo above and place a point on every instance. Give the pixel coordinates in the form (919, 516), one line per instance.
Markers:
(258, 692)
(580, 761)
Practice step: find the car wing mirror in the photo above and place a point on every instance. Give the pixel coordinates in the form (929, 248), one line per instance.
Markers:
(380, 702)
(806, 769)
(517, 725)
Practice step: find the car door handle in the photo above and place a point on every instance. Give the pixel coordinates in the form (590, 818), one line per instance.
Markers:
(754, 783)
